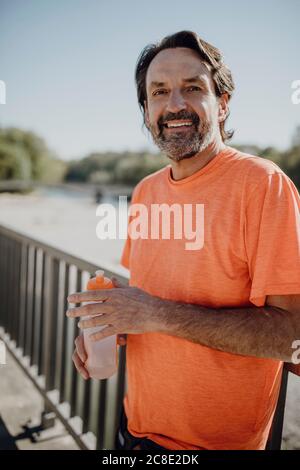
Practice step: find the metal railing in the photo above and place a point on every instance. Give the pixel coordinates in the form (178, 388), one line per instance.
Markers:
(35, 282)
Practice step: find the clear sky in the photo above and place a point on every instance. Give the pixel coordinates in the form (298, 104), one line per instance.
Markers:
(69, 65)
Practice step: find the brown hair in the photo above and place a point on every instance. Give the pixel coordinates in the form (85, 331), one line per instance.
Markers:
(221, 74)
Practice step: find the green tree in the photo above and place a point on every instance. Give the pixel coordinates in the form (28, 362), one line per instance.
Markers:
(30, 143)
(25, 155)
(14, 162)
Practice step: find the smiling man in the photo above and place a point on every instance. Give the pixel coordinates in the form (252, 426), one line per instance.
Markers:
(207, 330)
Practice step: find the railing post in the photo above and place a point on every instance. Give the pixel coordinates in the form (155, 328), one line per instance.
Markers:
(64, 335)
(50, 321)
(23, 295)
(36, 336)
(75, 377)
(5, 282)
(29, 319)
(34, 313)
(274, 441)
(17, 283)
(43, 302)
(2, 273)
(101, 414)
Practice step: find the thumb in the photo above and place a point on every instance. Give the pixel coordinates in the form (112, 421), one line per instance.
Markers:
(117, 283)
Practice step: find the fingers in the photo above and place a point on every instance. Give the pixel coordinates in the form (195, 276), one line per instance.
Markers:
(80, 366)
(79, 343)
(104, 333)
(91, 309)
(96, 320)
(90, 296)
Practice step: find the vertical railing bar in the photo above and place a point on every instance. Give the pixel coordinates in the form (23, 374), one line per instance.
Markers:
(43, 301)
(8, 316)
(10, 288)
(21, 296)
(64, 335)
(37, 311)
(14, 290)
(52, 324)
(274, 441)
(7, 284)
(1, 277)
(18, 289)
(37, 308)
(29, 312)
(59, 326)
(101, 415)
(86, 405)
(120, 384)
(26, 279)
(47, 322)
(33, 306)
(3, 282)
(74, 380)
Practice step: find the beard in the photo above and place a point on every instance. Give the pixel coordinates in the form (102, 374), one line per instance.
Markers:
(181, 145)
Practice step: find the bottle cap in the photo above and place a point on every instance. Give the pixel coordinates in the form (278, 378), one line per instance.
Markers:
(99, 272)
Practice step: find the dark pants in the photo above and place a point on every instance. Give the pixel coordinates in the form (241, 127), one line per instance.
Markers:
(126, 441)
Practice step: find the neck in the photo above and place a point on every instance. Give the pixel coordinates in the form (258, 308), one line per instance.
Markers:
(189, 166)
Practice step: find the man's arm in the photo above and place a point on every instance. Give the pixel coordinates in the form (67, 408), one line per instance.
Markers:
(266, 332)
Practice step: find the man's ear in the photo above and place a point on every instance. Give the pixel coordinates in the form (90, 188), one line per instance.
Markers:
(147, 122)
(223, 107)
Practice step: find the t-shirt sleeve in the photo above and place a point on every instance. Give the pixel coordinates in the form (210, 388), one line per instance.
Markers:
(272, 238)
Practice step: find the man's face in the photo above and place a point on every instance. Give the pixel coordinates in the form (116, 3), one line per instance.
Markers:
(182, 110)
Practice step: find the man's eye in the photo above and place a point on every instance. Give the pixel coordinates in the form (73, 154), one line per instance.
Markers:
(193, 88)
(159, 92)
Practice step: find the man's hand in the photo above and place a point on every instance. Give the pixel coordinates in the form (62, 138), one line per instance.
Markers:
(122, 310)
(79, 355)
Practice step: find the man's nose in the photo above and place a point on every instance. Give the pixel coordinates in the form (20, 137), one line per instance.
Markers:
(176, 102)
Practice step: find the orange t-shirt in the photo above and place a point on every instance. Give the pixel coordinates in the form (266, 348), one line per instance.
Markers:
(183, 395)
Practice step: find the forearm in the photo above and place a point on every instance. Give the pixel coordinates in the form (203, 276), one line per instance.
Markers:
(266, 332)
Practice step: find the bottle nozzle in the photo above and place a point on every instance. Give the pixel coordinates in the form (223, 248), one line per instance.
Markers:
(99, 273)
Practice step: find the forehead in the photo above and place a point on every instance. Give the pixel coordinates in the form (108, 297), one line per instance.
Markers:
(175, 64)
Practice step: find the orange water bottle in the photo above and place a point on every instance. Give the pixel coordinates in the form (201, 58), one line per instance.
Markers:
(102, 357)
